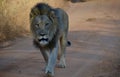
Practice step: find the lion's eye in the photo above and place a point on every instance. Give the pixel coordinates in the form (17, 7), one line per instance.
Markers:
(37, 25)
(47, 25)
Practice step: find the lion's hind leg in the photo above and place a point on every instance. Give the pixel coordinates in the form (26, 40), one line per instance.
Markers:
(62, 61)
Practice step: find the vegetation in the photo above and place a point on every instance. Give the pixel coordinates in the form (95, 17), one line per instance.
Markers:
(14, 16)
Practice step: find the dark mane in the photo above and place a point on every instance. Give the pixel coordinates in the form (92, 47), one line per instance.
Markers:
(40, 9)
(43, 8)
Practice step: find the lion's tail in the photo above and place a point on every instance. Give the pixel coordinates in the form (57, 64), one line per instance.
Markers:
(68, 43)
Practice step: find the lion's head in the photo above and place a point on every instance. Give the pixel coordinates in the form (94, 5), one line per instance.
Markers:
(43, 23)
(43, 28)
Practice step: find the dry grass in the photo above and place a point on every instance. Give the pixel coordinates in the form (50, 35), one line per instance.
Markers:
(74, 1)
(14, 16)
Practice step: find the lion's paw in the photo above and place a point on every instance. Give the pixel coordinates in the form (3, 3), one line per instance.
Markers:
(61, 65)
(49, 73)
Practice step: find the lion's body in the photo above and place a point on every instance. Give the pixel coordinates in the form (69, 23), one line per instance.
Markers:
(50, 27)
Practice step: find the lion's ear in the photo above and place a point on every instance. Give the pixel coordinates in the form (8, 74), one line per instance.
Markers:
(31, 16)
(52, 15)
(34, 12)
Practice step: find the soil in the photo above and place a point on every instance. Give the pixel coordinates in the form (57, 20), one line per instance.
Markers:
(95, 36)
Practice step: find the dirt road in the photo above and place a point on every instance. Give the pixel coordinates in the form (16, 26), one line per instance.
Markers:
(95, 36)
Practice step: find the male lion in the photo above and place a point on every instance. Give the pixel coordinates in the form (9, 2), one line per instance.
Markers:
(50, 27)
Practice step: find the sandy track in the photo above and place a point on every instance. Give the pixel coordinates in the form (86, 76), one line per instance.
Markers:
(94, 33)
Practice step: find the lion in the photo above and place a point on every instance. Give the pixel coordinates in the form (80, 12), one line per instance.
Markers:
(49, 27)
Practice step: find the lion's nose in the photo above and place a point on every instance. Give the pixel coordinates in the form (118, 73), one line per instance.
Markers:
(42, 34)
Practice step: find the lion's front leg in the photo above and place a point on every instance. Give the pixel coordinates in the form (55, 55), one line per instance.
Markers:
(45, 54)
(52, 61)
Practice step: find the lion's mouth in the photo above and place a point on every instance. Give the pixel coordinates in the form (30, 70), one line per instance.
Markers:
(43, 39)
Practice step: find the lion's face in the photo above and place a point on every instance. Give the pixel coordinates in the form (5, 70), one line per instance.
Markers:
(43, 29)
